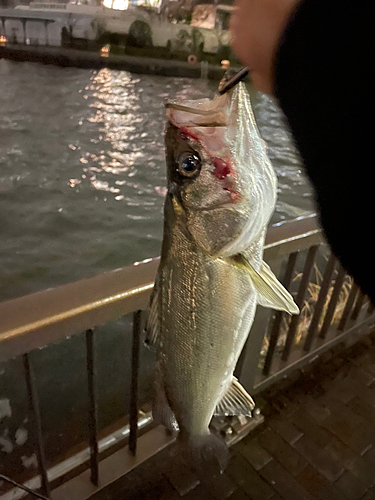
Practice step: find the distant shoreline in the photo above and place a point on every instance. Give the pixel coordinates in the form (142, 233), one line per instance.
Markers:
(93, 60)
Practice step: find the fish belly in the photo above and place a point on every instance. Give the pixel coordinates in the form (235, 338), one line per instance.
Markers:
(207, 308)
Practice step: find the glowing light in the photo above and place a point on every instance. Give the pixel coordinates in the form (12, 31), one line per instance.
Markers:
(161, 190)
(3, 40)
(74, 182)
(116, 4)
(104, 51)
(120, 4)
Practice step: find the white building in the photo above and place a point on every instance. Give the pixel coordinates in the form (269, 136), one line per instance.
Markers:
(42, 23)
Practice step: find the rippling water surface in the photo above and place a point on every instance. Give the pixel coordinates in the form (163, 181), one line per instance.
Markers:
(82, 170)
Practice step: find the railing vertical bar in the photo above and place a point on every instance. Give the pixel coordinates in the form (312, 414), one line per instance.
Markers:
(299, 300)
(92, 420)
(32, 493)
(36, 422)
(358, 305)
(348, 306)
(274, 335)
(332, 303)
(133, 411)
(320, 302)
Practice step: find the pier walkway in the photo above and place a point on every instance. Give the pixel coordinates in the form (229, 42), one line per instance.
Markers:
(317, 442)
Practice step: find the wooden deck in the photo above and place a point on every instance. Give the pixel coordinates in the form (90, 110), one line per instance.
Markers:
(317, 442)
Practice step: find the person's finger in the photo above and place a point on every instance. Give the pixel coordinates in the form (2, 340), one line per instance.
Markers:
(256, 28)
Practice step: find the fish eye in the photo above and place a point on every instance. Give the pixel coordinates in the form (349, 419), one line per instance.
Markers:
(188, 164)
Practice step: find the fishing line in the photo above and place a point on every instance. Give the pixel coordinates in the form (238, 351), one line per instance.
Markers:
(227, 85)
(22, 487)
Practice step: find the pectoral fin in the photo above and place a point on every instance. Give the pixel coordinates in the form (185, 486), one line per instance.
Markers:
(271, 292)
(236, 401)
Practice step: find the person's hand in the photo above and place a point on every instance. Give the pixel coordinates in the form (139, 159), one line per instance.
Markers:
(256, 27)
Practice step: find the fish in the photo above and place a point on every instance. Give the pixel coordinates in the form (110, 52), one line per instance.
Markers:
(221, 193)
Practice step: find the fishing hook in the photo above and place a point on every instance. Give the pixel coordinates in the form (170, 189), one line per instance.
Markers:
(236, 78)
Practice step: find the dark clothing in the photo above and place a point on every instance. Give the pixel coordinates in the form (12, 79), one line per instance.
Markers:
(323, 84)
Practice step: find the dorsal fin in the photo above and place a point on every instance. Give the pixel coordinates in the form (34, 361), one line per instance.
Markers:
(153, 324)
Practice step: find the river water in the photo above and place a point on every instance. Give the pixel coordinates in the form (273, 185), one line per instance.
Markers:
(82, 177)
(82, 170)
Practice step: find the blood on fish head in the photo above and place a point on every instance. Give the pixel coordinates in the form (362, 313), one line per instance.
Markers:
(222, 168)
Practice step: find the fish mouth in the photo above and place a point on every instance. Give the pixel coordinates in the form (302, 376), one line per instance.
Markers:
(212, 114)
(194, 111)
(215, 206)
(188, 109)
(199, 112)
(172, 189)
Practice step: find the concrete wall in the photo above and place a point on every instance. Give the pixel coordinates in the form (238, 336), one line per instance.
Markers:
(37, 33)
(14, 31)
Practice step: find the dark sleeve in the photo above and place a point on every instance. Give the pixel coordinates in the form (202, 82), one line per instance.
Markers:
(323, 84)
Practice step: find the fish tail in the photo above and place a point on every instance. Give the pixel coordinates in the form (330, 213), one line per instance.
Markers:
(208, 448)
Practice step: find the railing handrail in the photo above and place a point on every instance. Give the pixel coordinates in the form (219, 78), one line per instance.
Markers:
(35, 320)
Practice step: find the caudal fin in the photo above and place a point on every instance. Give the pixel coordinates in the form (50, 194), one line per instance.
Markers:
(208, 449)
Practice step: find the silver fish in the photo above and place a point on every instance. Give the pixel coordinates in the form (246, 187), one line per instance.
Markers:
(221, 195)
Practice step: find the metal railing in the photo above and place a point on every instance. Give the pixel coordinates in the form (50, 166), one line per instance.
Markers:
(276, 345)
(333, 309)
